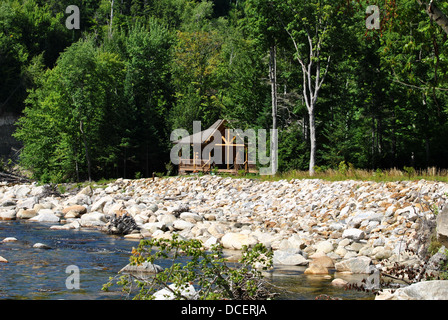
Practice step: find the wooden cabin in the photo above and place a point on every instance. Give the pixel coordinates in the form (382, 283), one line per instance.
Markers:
(224, 155)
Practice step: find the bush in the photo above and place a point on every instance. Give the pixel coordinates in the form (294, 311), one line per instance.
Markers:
(212, 278)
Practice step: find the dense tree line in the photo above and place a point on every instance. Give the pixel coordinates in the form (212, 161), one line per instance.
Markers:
(101, 101)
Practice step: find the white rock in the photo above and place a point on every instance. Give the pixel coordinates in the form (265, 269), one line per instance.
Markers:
(289, 258)
(27, 203)
(354, 265)
(324, 246)
(237, 240)
(41, 246)
(145, 267)
(93, 216)
(8, 215)
(425, 290)
(182, 224)
(211, 242)
(189, 292)
(354, 234)
(45, 215)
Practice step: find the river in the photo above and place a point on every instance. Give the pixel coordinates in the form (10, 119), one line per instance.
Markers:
(33, 273)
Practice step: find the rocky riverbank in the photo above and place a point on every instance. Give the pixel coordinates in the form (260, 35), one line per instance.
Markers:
(347, 225)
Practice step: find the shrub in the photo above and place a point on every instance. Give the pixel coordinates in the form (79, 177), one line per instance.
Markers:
(212, 278)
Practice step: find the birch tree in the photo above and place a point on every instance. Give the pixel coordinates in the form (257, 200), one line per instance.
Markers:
(308, 25)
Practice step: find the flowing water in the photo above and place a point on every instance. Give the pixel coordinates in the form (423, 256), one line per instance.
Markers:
(33, 273)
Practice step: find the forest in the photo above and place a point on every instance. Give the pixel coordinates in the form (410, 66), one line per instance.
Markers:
(101, 100)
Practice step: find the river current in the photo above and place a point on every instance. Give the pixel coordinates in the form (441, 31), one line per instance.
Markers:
(33, 273)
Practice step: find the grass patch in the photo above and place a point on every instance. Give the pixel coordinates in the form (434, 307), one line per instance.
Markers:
(350, 173)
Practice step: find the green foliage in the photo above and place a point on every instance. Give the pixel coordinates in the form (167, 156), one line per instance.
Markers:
(102, 101)
(208, 271)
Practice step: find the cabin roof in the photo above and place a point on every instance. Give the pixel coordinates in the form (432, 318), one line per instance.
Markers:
(202, 136)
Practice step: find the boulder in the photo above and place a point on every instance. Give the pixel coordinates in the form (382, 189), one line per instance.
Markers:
(39, 245)
(45, 215)
(189, 292)
(289, 258)
(8, 215)
(359, 264)
(442, 226)
(26, 213)
(9, 239)
(338, 282)
(324, 246)
(27, 203)
(354, 234)
(324, 261)
(182, 224)
(93, 216)
(145, 267)
(76, 209)
(236, 241)
(425, 290)
(315, 269)
(86, 191)
(3, 260)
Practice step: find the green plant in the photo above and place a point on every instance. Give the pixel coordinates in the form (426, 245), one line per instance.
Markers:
(62, 188)
(410, 171)
(212, 278)
(343, 168)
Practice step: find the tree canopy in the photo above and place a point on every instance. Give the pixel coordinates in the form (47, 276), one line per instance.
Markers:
(101, 101)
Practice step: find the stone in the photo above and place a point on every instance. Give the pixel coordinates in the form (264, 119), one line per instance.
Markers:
(166, 218)
(323, 261)
(45, 215)
(190, 216)
(153, 226)
(8, 203)
(424, 290)
(368, 216)
(315, 269)
(354, 234)
(39, 245)
(442, 226)
(94, 216)
(210, 242)
(145, 267)
(338, 282)
(359, 264)
(236, 241)
(9, 239)
(86, 191)
(153, 207)
(3, 260)
(26, 213)
(8, 215)
(136, 236)
(28, 203)
(381, 253)
(182, 224)
(22, 191)
(75, 208)
(188, 293)
(71, 214)
(289, 258)
(324, 246)
(99, 204)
